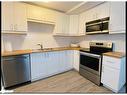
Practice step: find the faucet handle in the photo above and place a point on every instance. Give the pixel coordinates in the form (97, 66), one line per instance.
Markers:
(38, 44)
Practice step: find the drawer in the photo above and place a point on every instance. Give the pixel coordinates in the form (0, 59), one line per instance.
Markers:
(111, 61)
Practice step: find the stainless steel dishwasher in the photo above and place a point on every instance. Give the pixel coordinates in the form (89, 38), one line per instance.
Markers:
(15, 70)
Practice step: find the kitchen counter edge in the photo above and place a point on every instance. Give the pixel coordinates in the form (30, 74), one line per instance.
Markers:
(28, 51)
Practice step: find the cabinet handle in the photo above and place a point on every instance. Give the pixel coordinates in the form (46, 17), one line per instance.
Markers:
(11, 26)
(110, 61)
(15, 27)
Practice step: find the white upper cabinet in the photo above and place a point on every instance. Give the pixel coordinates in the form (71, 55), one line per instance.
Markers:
(62, 24)
(82, 21)
(14, 17)
(50, 16)
(117, 17)
(34, 12)
(74, 24)
(7, 16)
(20, 17)
(40, 14)
(100, 11)
(67, 25)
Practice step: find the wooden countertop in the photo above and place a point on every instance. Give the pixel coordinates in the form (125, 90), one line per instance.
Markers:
(18, 52)
(115, 54)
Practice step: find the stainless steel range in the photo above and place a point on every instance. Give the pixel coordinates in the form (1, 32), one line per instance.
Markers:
(91, 60)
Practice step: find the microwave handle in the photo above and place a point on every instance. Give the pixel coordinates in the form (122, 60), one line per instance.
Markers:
(101, 26)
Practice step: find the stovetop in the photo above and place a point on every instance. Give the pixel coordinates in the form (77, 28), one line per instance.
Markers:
(85, 49)
(96, 50)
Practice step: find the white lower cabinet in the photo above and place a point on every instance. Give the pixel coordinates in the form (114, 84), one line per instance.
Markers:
(113, 73)
(38, 66)
(110, 77)
(62, 60)
(53, 64)
(76, 60)
(46, 64)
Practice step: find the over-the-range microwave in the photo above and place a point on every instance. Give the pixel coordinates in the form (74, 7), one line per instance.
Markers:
(98, 26)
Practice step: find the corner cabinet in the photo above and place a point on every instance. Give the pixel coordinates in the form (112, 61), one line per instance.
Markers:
(74, 26)
(117, 17)
(113, 73)
(14, 17)
(68, 25)
(62, 24)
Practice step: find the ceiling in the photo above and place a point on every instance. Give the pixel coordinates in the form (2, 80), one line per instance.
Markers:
(69, 7)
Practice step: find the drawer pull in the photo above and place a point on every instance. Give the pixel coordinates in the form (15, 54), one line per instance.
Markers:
(110, 62)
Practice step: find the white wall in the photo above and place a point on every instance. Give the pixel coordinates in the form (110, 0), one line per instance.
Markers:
(119, 40)
(38, 33)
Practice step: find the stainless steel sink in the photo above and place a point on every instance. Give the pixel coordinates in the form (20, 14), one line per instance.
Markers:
(42, 50)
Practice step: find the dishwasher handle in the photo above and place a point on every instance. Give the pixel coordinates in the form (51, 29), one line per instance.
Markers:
(15, 57)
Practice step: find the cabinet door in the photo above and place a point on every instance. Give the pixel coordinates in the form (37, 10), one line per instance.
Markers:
(35, 65)
(90, 15)
(65, 24)
(67, 60)
(76, 60)
(58, 25)
(110, 77)
(50, 16)
(74, 24)
(62, 24)
(61, 60)
(20, 17)
(38, 66)
(7, 16)
(34, 12)
(53, 65)
(82, 23)
(43, 67)
(102, 10)
(117, 17)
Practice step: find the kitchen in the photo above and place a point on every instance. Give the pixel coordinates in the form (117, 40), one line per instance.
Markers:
(63, 47)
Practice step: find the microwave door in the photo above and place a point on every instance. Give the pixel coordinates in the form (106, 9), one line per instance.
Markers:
(105, 27)
(92, 29)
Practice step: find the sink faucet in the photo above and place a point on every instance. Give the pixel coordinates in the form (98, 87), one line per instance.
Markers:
(40, 46)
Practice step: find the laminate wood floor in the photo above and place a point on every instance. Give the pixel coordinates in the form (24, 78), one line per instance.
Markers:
(68, 82)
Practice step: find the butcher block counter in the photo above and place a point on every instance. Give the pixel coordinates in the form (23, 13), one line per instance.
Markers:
(28, 51)
(115, 54)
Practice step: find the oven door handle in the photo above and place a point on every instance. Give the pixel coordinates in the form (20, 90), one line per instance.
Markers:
(90, 55)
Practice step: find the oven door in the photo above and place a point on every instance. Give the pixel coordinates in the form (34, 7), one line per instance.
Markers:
(90, 62)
